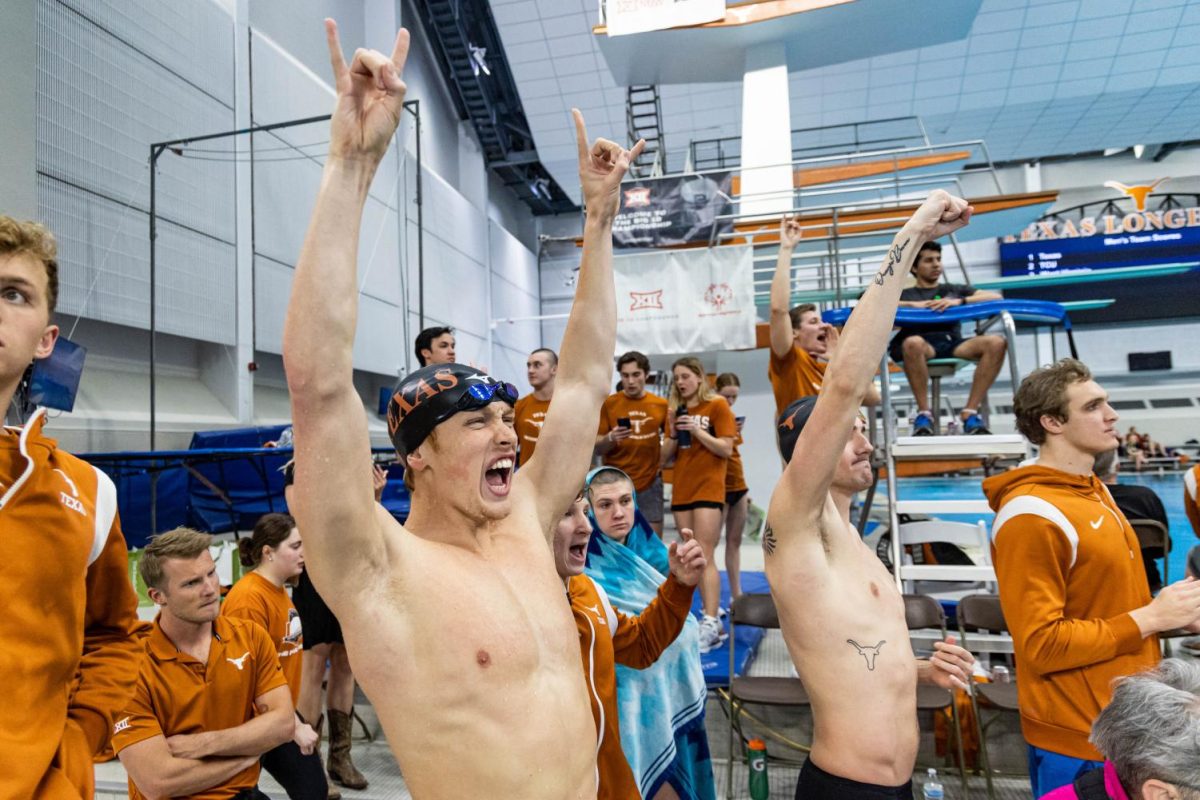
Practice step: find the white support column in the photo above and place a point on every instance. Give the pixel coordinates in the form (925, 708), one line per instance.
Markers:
(243, 378)
(1033, 176)
(766, 169)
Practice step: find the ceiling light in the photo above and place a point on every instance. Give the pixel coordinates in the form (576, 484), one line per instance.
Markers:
(1138, 149)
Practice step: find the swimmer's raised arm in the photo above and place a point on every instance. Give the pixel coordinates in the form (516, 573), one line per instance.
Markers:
(558, 466)
(806, 481)
(334, 505)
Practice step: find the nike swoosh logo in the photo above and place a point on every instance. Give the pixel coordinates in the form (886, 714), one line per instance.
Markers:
(1097, 523)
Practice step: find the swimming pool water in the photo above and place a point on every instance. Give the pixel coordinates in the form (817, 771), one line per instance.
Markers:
(1169, 487)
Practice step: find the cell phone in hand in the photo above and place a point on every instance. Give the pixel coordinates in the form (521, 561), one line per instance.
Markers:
(623, 422)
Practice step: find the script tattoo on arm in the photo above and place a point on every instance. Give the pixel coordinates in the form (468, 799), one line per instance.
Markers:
(893, 259)
(768, 541)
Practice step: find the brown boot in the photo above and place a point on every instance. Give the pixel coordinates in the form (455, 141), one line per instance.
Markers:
(341, 768)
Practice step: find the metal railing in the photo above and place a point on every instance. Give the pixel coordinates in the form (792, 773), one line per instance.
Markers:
(725, 152)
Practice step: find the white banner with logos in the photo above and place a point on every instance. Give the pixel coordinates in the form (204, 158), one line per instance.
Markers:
(685, 301)
(638, 16)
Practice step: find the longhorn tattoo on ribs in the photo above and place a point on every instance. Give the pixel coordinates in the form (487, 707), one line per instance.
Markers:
(868, 652)
(889, 268)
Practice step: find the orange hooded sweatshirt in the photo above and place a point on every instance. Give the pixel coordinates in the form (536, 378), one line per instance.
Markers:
(1070, 571)
(69, 626)
(607, 638)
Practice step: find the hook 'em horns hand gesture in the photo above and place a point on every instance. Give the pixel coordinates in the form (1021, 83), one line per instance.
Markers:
(601, 169)
(370, 97)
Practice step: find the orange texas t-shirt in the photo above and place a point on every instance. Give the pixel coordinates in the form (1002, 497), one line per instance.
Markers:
(699, 473)
(528, 416)
(639, 454)
(795, 375)
(255, 598)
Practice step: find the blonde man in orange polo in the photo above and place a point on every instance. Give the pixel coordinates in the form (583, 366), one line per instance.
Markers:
(274, 553)
(210, 697)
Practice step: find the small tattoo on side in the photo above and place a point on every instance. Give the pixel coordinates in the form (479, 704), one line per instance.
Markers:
(889, 268)
(868, 652)
(768, 540)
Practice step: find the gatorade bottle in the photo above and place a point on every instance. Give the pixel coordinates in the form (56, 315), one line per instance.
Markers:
(756, 754)
(933, 787)
(682, 438)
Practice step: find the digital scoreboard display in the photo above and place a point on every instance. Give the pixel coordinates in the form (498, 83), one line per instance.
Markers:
(1099, 251)
(1139, 238)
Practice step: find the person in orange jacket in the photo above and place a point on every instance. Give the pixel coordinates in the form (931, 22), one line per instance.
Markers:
(70, 613)
(1072, 584)
(607, 637)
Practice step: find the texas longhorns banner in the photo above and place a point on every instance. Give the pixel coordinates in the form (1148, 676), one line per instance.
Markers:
(685, 301)
(639, 16)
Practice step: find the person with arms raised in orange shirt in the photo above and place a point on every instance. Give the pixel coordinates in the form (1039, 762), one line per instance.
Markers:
(698, 486)
(632, 422)
(737, 493)
(275, 555)
(607, 637)
(70, 622)
(1072, 584)
(211, 697)
(801, 345)
(530, 411)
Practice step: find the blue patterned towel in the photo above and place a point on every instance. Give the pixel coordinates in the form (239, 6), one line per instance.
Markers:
(661, 707)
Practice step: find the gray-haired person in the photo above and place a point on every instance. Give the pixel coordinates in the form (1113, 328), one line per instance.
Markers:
(1150, 737)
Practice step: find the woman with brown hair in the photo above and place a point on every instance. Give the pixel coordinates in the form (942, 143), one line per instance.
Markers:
(737, 493)
(275, 556)
(703, 419)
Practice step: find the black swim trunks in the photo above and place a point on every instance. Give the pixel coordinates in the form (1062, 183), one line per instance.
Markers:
(319, 624)
(817, 784)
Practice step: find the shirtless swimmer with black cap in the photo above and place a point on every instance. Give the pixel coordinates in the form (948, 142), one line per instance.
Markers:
(840, 612)
(455, 623)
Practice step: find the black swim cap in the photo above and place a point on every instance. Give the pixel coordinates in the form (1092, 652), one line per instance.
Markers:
(424, 399)
(791, 422)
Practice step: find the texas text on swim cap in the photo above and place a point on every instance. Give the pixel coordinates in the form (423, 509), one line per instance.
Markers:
(427, 397)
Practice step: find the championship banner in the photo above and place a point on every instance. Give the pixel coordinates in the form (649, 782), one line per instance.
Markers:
(685, 301)
(638, 16)
(664, 212)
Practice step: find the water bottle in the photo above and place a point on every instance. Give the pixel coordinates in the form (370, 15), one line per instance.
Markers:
(756, 754)
(682, 438)
(933, 787)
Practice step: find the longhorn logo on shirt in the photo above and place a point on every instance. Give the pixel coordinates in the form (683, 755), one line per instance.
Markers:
(412, 395)
(637, 198)
(1138, 193)
(644, 300)
(239, 661)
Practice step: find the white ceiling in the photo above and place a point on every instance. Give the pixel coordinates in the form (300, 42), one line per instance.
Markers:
(1033, 78)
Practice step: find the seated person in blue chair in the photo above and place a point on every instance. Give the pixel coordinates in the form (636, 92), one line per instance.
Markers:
(913, 347)
(661, 707)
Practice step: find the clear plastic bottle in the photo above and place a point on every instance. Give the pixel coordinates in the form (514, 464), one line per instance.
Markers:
(932, 790)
